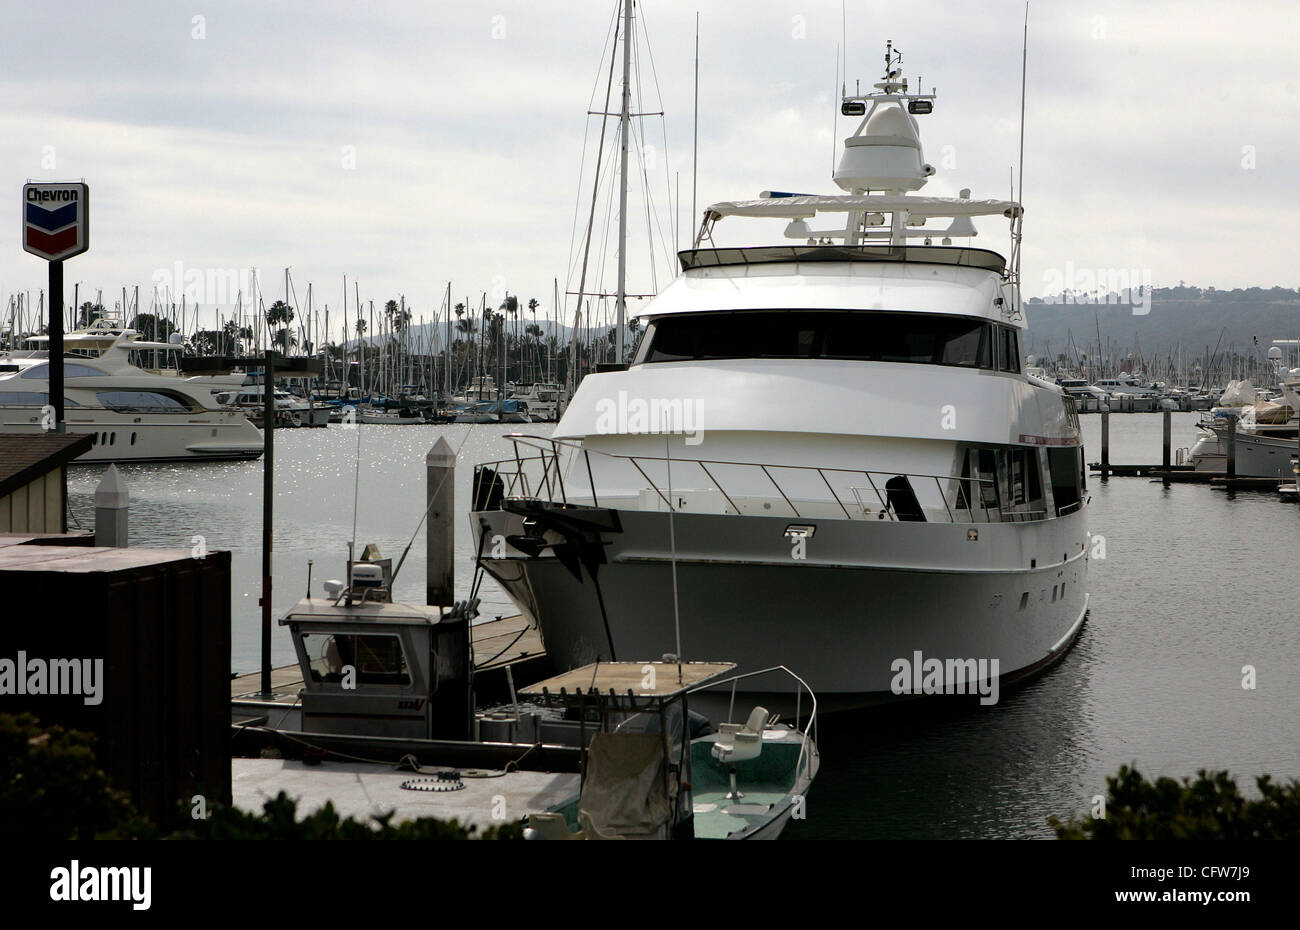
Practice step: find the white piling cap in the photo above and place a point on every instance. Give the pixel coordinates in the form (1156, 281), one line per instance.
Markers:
(441, 455)
(112, 492)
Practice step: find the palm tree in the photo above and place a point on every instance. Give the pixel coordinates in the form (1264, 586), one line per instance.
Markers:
(361, 352)
(532, 308)
(87, 313)
(280, 314)
(510, 306)
(634, 329)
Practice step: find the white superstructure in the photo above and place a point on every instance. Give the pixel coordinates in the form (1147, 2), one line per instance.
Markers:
(824, 455)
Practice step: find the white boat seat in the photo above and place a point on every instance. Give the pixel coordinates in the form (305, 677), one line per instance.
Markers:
(739, 742)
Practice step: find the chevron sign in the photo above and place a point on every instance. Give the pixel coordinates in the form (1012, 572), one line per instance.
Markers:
(56, 220)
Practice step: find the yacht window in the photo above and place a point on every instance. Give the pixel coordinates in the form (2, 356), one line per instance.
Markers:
(30, 399)
(70, 370)
(1008, 349)
(377, 658)
(1026, 481)
(1067, 477)
(141, 402)
(855, 335)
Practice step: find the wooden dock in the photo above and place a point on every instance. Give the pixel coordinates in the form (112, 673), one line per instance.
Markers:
(1186, 474)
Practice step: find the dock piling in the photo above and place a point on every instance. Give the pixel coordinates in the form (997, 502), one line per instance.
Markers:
(440, 543)
(112, 508)
(1232, 446)
(1167, 415)
(1105, 441)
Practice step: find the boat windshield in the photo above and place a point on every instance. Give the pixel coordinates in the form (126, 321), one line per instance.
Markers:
(856, 335)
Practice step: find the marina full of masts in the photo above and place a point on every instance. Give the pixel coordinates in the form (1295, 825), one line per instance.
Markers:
(1136, 390)
(467, 361)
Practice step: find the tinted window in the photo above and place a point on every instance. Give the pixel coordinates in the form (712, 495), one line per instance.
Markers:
(140, 402)
(70, 370)
(1067, 477)
(1008, 349)
(30, 398)
(921, 338)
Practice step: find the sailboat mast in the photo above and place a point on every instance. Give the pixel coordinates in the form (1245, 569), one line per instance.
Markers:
(624, 123)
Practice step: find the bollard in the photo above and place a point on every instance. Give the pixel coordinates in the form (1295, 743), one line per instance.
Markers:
(440, 543)
(1105, 441)
(112, 505)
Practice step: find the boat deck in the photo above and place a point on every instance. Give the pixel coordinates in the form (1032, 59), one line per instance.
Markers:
(767, 783)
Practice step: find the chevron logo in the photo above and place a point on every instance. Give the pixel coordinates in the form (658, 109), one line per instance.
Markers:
(55, 220)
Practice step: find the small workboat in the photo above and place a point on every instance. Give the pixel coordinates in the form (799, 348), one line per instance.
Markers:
(655, 770)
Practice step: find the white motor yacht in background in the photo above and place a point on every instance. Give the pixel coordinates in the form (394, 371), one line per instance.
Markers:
(291, 411)
(1266, 429)
(539, 400)
(824, 455)
(134, 414)
(1127, 384)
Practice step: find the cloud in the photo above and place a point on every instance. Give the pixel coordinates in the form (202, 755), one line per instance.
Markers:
(467, 125)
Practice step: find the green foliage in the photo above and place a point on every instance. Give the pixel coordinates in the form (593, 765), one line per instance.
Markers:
(88, 312)
(279, 314)
(52, 788)
(278, 821)
(1209, 808)
(153, 328)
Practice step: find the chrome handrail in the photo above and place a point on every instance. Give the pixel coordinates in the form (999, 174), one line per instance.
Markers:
(549, 451)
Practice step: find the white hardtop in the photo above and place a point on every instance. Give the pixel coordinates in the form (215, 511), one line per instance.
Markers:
(895, 286)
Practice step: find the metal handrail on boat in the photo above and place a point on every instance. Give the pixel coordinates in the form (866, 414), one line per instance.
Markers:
(808, 732)
(548, 453)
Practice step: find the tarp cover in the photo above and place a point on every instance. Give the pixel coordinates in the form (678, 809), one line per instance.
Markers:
(623, 791)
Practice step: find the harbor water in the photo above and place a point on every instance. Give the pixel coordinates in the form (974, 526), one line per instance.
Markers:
(1196, 585)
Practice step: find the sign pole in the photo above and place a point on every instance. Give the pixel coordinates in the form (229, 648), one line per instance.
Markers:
(268, 496)
(55, 226)
(55, 332)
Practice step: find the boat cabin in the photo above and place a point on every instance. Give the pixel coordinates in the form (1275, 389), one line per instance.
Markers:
(379, 668)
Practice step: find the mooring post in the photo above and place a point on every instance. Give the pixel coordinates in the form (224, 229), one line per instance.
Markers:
(440, 543)
(1105, 441)
(112, 506)
(1167, 407)
(1232, 446)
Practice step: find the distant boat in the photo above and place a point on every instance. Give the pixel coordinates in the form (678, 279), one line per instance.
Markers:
(134, 414)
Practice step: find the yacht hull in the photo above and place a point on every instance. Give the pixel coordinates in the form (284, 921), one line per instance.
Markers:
(1256, 456)
(866, 595)
(213, 435)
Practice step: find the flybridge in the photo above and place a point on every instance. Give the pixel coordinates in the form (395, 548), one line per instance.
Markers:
(35, 194)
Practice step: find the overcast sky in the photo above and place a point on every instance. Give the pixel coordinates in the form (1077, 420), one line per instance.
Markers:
(406, 145)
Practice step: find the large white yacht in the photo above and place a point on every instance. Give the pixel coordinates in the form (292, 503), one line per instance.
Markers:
(135, 413)
(824, 455)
